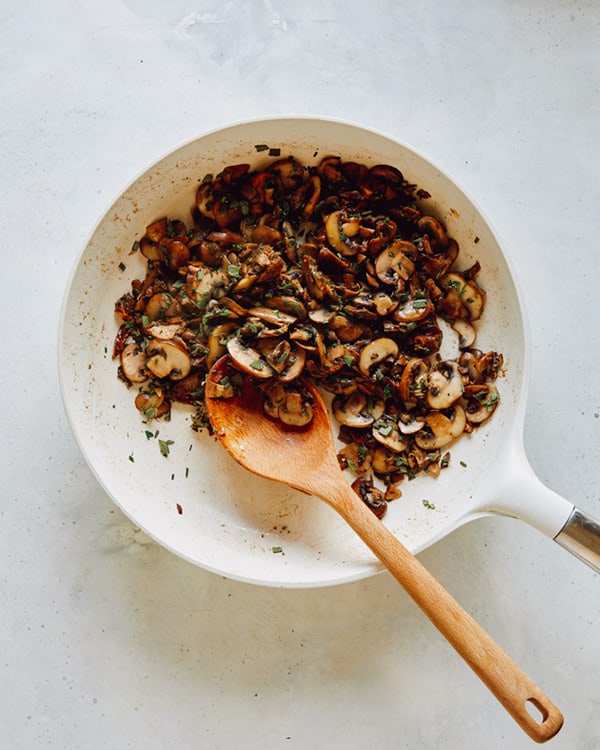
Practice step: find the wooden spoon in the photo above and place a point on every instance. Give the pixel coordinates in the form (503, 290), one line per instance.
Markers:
(305, 459)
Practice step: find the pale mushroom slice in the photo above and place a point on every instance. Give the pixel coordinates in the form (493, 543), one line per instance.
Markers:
(466, 332)
(441, 428)
(249, 360)
(133, 363)
(445, 385)
(386, 432)
(168, 359)
(295, 411)
(482, 402)
(356, 410)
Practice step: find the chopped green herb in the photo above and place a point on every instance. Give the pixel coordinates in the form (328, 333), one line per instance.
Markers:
(131, 458)
(164, 447)
(256, 365)
(261, 147)
(348, 359)
(122, 266)
(429, 504)
(462, 463)
(135, 247)
(277, 550)
(149, 434)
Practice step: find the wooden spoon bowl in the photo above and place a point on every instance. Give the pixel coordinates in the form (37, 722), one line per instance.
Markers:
(305, 459)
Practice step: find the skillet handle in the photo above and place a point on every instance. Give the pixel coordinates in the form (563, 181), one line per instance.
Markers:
(581, 536)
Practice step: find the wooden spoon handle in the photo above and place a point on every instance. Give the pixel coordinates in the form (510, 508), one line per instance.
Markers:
(505, 679)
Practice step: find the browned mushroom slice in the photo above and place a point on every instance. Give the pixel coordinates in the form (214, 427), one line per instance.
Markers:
(152, 403)
(413, 383)
(217, 342)
(168, 359)
(464, 298)
(274, 398)
(441, 428)
(164, 331)
(384, 304)
(376, 352)
(394, 265)
(386, 432)
(339, 228)
(434, 229)
(288, 305)
(482, 402)
(445, 385)
(347, 330)
(248, 360)
(272, 316)
(355, 410)
(133, 363)
(370, 495)
(415, 309)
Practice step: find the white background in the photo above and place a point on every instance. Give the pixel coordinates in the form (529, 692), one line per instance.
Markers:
(109, 641)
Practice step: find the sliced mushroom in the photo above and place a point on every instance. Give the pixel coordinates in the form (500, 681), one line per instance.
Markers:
(274, 398)
(482, 402)
(152, 403)
(408, 423)
(445, 385)
(465, 297)
(355, 411)
(321, 315)
(375, 352)
(168, 359)
(413, 383)
(384, 304)
(159, 306)
(434, 228)
(217, 342)
(386, 432)
(133, 363)
(272, 316)
(164, 331)
(466, 332)
(339, 228)
(288, 305)
(296, 411)
(222, 389)
(394, 265)
(248, 359)
(347, 330)
(414, 309)
(441, 428)
(371, 496)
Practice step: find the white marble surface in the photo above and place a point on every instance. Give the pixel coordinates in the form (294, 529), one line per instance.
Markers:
(108, 641)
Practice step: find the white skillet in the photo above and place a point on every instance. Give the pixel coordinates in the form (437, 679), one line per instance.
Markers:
(197, 501)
